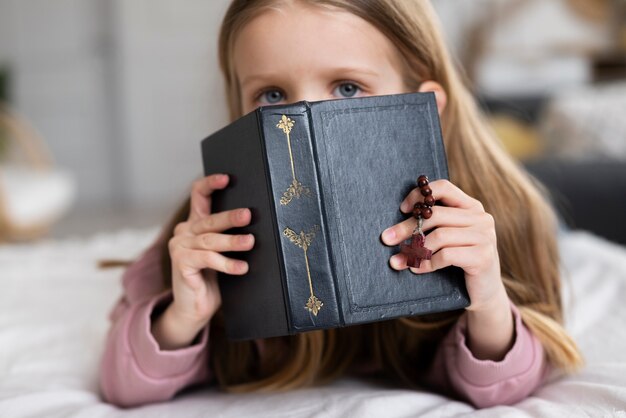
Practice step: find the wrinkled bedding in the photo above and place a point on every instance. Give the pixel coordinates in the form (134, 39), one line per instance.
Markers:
(53, 320)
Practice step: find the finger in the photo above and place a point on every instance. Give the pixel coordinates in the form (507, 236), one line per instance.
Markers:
(222, 221)
(464, 257)
(198, 259)
(441, 238)
(219, 242)
(410, 200)
(445, 192)
(453, 237)
(398, 261)
(201, 191)
(442, 216)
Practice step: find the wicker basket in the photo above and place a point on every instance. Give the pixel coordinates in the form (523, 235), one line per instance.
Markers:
(28, 151)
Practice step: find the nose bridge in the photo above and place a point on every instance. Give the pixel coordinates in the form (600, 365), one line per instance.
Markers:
(309, 89)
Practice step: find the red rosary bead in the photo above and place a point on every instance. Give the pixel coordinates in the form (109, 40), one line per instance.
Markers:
(415, 250)
(423, 209)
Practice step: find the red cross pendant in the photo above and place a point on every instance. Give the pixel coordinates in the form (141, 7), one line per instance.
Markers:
(415, 251)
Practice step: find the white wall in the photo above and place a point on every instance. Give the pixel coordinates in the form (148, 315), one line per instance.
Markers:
(169, 93)
(122, 90)
(58, 57)
(6, 32)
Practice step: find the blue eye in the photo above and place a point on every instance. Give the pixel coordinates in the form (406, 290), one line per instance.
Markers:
(346, 90)
(271, 96)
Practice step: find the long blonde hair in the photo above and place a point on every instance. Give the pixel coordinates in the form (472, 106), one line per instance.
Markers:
(525, 227)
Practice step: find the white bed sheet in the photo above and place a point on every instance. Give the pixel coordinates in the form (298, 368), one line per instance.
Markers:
(53, 320)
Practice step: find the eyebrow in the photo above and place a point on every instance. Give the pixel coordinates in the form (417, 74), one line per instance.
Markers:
(271, 76)
(254, 77)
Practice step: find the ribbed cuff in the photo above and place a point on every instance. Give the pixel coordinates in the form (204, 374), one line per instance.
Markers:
(153, 361)
(518, 360)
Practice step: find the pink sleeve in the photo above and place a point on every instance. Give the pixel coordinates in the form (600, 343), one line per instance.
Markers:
(133, 369)
(486, 383)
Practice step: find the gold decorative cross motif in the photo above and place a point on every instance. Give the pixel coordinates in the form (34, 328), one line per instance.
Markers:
(304, 240)
(295, 189)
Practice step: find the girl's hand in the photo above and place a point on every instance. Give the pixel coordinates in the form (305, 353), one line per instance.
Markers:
(195, 253)
(465, 237)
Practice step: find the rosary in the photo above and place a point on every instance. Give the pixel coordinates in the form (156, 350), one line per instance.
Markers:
(415, 250)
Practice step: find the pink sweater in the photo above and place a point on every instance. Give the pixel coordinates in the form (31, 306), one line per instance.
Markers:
(135, 371)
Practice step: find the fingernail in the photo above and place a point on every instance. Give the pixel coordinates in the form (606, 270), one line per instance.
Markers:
(389, 234)
(242, 266)
(394, 260)
(403, 207)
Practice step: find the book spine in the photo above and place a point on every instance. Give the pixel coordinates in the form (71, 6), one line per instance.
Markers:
(238, 150)
(300, 223)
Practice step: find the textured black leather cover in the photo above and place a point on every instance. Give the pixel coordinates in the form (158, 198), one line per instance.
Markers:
(349, 163)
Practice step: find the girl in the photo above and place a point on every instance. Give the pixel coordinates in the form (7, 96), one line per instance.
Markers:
(167, 330)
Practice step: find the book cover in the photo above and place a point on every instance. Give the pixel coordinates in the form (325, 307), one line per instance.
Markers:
(323, 180)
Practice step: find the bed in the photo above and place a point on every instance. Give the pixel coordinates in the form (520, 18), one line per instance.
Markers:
(53, 320)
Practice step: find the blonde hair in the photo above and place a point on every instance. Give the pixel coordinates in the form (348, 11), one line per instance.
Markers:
(478, 165)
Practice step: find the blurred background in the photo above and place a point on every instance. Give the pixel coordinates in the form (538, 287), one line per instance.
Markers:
(104, 104)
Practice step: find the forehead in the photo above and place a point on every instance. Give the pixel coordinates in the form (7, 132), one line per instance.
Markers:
(297, 38)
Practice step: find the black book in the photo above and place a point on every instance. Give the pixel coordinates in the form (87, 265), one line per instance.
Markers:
(323, 180)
